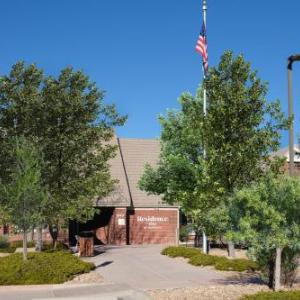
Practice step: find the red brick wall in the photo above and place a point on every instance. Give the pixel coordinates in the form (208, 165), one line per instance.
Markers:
(153, 226)
(296, 168)
(115, 232)
(146, 226)
(118, 227)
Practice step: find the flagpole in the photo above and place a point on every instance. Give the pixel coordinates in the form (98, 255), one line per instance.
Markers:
(204, 8)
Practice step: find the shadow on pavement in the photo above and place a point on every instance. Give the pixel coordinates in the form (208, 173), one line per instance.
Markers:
(104, 264)
(241, 279)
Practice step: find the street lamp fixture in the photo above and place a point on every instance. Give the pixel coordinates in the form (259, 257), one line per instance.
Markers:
(291, 60)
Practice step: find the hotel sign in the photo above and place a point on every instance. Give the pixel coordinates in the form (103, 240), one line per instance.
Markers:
(152, 222)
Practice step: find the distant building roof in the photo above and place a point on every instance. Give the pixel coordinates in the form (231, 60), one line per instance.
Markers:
(127, 167)
(284, 152)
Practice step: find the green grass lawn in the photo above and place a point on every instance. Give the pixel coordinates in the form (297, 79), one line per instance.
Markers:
(41, 268)
(197, 258)
(290, 295)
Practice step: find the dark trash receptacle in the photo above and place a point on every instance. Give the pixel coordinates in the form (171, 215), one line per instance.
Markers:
(86, 243)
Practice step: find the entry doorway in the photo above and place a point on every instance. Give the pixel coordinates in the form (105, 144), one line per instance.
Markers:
(98, 224)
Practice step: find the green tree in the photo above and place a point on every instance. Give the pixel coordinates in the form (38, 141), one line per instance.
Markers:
(75, 133)
(19, 102)
(73, 126)
(24, 197)
(181, 174)
(268, 218)
(240, 130)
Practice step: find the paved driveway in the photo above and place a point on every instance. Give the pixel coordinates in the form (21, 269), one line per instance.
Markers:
(127, 271)
(143, 267)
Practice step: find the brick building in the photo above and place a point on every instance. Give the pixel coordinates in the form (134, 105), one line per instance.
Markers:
(128, 215)
(284, 152)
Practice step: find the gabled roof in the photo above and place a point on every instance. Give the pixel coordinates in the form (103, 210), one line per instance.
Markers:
(120, 196)
(127, 167)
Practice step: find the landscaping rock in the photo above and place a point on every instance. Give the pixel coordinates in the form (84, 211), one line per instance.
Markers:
(215, 292)
(92, 277)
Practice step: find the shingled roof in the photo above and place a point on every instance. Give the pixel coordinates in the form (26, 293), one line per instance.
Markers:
(127, 167)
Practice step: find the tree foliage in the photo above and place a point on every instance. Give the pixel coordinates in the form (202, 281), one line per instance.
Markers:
(24, 197)
(67, 116)
(268, 217)
(239, 131)
(241, 128)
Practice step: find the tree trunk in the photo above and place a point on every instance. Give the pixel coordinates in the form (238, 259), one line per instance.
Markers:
(277, 269)
(24, 244)
(231, 251)
(53, 229)
(271, 267)
(39, 239)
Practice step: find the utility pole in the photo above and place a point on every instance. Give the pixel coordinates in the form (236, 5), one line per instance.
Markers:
(291, 59)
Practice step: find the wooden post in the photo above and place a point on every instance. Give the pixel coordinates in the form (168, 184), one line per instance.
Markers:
(86, 245)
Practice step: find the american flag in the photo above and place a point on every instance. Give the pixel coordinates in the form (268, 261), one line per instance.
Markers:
(201, 47)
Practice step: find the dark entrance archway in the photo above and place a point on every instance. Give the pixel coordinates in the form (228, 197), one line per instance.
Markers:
(100, 220)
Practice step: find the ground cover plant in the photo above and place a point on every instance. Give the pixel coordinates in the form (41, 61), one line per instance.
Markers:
(41, 268)
(289, 295)
(197, 258)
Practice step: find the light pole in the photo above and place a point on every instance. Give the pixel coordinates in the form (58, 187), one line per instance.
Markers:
(291, 59)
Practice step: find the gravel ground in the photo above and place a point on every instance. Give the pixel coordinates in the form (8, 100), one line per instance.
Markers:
(212, 292)
(92, 277)
(215, 292)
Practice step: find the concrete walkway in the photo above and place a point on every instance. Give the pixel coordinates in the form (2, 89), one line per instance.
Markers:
(143, 267)
(74, 292)
(127, 272)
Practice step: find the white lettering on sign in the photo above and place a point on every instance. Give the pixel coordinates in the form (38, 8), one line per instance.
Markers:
(120, 215)
(121, 222)
(152, 219)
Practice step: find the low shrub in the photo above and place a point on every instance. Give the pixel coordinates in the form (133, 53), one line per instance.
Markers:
(19, 244)
(5, 245)
(3, 242)
(196, 258)
(184, 232)
(48, 247)
(7, 250)
(238, 265)
(203, 260)
(41, 268)
(180, 252)
(290, 295)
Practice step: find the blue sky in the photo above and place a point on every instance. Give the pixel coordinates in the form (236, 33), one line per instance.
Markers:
(142, 52)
